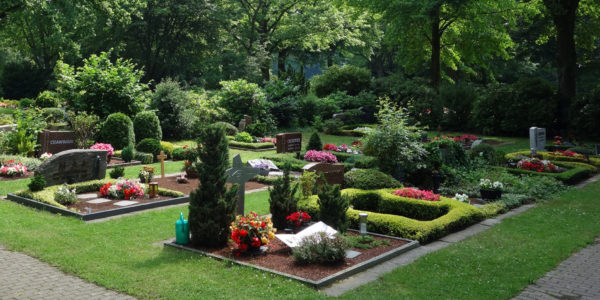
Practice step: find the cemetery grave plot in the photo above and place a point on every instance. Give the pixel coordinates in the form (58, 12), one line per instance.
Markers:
(117, 161)
(570, 169)
(278, 259)
(91, 204)
(171, 183)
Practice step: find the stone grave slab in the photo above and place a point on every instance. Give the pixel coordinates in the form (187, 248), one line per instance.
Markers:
(73, 166)
(334, 173)
(98, 201)
(352, 254)
(289, 142)
(87, 196)
(125, 203)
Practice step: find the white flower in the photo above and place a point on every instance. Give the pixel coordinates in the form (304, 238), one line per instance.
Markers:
(461, 198)
(498, 185)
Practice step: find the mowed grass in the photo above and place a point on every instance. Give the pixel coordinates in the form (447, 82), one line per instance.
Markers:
(500, 262)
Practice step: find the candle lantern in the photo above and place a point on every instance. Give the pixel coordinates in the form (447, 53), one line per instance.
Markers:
(153, 189)
(363, 223)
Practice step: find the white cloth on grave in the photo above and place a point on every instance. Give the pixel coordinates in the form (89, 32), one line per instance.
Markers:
(293, 240)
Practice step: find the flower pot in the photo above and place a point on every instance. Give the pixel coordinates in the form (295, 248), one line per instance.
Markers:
(490, 194)
(191, 173)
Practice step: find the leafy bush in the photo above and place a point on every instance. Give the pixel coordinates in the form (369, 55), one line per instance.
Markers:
(146, 125)
(394, 142)
(102, 87)
(127, 154)
(84, 126)
(37, 183)
(179, 154)
(230, 130)
(485, 152)
(346, 78)
(308, 109)
(47, 99)
(145, 158)
(117, 130)
(243, 137)
(26, 103)
(283, 96)
(65, 196)
(167, 148)
(53, 114)
(170, 102)
(149, 145)
(320, 249)
(212, 206)
(282, 199)
(458, 99)
(333, 206)
(260, 128)
(369, 179)
(585, 113)
(333, 126)
(29, 123)
(240, 98)
(116, 172)
(307, 182)
(314, 143)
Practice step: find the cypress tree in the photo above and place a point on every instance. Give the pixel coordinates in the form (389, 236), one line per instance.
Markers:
(333, 206)
(212, 207)
(314, 143)
(282, 199)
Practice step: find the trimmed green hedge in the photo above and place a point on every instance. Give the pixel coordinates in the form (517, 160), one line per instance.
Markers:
(399, 216)
(575, 173)
(544, 155)
(145, 158)
(47, 195)
(369, 179)
(251, 145)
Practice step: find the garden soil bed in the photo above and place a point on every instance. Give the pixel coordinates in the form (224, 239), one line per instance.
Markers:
(83, 204)
(278, 258)
(116, 161)
(27, 175)
(171, 184)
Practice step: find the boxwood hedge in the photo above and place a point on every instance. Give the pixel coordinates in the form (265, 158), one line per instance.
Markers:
(237, 144)
(404, 217)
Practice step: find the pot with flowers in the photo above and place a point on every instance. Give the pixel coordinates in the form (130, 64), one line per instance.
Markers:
(490, 190)
(298, 221)
(250, 232)
(108, 147)
(124, 189)
(189, 164)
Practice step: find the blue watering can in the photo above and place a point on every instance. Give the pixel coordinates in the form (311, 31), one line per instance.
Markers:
(182, 231)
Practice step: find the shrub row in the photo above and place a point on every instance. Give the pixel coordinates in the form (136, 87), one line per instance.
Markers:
(251, 145)
(458, 215)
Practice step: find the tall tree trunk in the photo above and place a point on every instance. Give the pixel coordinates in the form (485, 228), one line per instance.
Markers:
(281, 57)
(436, 36)
(563, 14)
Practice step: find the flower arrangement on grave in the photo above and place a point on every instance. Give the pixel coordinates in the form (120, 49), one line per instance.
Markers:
(123, 189)
(557, 140)
(298, 218)
(487, 184)
(45, 156)
(465, 138)
(417, 194)
(566, 153)
(537, 165)
(251, 231)
(10, 169)
(102, 146)
(190, 159)
(320, 156)
(146, 174)
(461, 198)
(182, 179)
(268, 140)
(330, 147)
(65, 196)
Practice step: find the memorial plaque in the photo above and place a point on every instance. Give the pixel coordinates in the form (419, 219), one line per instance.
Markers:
(334, 173)
(537, 138)
(289, 142)
(56, 141)
(73, 166)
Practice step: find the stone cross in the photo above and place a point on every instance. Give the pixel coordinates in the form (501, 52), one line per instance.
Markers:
(240, 174)
(162, 157)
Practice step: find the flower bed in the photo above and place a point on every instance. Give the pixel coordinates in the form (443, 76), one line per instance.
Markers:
(538, 165)
(574, 173)
(404, 217)
(11, 169)
(417, 194)
(320, 156)
(553, 157)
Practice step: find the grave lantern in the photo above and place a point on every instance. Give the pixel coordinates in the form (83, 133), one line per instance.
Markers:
(153, 190)
(363, 223)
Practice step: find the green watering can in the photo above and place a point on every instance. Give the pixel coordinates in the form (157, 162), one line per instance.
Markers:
(182, 231)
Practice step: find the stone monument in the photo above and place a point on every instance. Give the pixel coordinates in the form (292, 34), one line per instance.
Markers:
(239, 174)
(334, 173)
(289, 142)
(56, 141)
(537, 138)
(73, 166)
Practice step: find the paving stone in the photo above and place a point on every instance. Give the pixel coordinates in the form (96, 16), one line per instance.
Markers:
(98, 201)
(87, 196)
(125, 203)
(24, 277)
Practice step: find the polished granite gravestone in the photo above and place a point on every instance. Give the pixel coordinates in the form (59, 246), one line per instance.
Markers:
(334, 173)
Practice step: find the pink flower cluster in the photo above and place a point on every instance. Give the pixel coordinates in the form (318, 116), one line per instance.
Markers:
(320, 156)
(465, 137)
(417, 194)
(10, 169)
(268, 140)
(101, 146)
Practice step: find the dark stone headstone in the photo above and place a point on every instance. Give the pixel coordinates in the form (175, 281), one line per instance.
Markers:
(74, 166)
(289, 142)
(239, 174)
(244, 122)
(56, 141)
(334, 173)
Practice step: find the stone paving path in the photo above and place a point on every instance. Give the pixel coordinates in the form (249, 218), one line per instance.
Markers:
(24, 277)
(578, 277)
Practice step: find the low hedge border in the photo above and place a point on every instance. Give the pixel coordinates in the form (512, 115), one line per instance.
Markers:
(47, 195)
(349, 160)
(251, 145)
(575, 173)
(457, 216)
(545, 155)
(145, 158)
